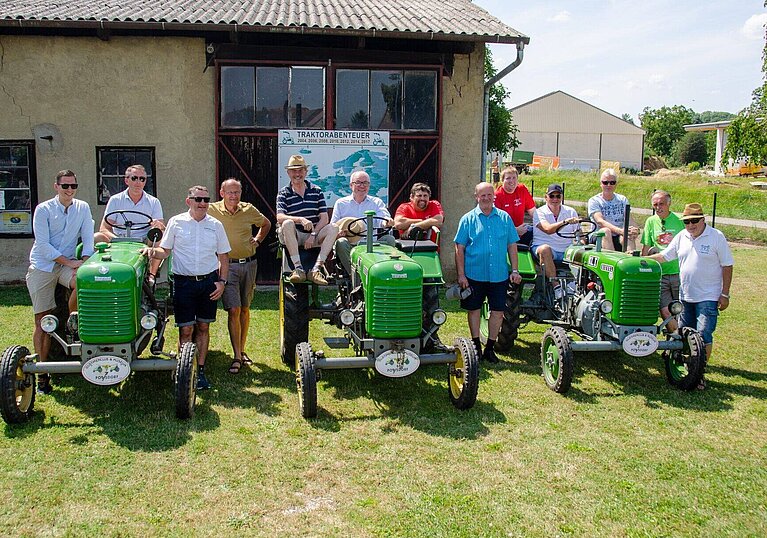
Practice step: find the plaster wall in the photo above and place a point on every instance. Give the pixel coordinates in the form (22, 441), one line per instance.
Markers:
(127, 91)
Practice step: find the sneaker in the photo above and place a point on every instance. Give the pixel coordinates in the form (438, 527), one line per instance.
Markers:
(559, 293)
(317, 277)
(44, 384)
(297, 276)
(702, 384)
(202, 381)
(490, 356)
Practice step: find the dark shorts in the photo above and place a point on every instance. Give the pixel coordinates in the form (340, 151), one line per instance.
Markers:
(527, 237)
(669, 290)
(241, 285)
(701, 316)
(191, 300)
(495, 292)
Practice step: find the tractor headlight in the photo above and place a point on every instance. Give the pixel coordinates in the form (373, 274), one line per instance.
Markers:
(347, 317)
(149, 321)
(439, 317)
(675, 307)
(49, 323)
(606, 306)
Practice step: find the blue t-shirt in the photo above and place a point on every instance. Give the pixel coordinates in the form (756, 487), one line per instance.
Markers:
(486, 238)
(614, 211)
(309, 206)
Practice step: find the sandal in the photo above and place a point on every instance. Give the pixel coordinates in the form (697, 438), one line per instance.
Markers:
(235, 367)
(246, 360)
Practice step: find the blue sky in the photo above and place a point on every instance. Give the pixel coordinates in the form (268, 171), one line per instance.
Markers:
(624, 55)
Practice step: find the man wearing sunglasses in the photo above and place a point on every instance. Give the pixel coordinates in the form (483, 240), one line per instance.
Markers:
(200, 271)
(705, 273)
(658, 232)
(608, 210)
(59, 225)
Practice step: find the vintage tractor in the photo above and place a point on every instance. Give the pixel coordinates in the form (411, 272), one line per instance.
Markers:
(117, 316)
(610, 301)
(389, 311)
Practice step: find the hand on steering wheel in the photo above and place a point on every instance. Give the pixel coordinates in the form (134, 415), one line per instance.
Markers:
(585, 227)
(380, 232)
(144, 222)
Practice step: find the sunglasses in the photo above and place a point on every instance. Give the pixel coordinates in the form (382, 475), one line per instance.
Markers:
(554, 195)
(200, 199)
(662, 225)
(610, 182)
(693, 221)
(142, 179)
(68, 185)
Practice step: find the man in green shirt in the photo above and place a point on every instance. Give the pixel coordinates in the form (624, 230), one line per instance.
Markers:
(658, 232)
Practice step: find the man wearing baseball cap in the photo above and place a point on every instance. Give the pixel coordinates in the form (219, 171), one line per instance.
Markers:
(705, 273)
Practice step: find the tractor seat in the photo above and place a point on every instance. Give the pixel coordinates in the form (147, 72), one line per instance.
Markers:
(408, 245)
(522, 247)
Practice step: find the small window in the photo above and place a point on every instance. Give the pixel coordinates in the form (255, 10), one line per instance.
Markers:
(112, 163)
(18, 188)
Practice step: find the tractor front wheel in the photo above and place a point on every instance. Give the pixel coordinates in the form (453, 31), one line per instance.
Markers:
(17, 389)
(685, 367)
(186, 380)
(557, 359)
(463, 376)
(306, 380)
(294, 319)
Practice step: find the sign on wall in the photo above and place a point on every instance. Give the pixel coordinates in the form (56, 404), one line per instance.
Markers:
(333, 155)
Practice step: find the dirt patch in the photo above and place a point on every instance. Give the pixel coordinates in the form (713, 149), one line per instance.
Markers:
(653, 163)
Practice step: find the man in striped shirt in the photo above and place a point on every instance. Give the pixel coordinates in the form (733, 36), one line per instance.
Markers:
(302, 220)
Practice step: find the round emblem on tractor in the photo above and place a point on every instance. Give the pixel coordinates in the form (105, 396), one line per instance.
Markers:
(103, 269)
(398, 267)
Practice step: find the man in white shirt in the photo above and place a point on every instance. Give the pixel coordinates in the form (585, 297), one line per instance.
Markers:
(59, 224)
(353, 207)
(200, 270)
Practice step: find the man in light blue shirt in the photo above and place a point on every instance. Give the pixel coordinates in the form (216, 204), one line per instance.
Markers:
(59, 224)
(484, 243)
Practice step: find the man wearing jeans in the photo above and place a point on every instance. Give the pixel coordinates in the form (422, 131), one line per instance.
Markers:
(705, 273)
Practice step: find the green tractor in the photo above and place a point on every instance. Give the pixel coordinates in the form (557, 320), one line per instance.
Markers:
(388, 309)
(610, 301)
(118, 317)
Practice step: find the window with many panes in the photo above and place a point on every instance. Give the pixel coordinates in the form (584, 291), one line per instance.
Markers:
(111, 163)
(386, 99)
(18, 185)
(272, 97)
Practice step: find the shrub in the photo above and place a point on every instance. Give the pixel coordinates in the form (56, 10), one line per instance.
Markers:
(694, 165)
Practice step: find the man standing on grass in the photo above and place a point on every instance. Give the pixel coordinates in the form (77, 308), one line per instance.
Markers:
(705, 273)
(659, 230)
(59, 224)
(608, 210)
(238, 218)
(200, 271)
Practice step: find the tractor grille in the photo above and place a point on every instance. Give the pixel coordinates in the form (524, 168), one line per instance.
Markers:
(106, 316)
(639, 302)
(396, 312)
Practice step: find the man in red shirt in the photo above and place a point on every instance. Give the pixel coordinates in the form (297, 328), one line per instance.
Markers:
(419, 214)
(514, 198)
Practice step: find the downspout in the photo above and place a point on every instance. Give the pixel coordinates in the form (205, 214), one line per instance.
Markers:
(486, 112)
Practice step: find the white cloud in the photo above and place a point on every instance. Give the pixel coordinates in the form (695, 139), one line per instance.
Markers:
(753, 28)
(562, 16)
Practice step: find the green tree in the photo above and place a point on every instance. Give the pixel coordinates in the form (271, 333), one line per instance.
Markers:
(664, 127)
(627, 118)
(692, 148)
(501, 129)
(747, 134)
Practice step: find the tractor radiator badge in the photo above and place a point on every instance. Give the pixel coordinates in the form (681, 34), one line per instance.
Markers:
(607, 268)
(397, 363)
(398, 267)
(103, 269)
(640, 344)
(106, 370)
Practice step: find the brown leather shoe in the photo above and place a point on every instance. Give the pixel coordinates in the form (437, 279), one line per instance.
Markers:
(297, 276)
(317, 277)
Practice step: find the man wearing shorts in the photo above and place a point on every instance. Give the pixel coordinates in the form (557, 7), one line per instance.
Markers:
(484, 243)
(238, 218)
(608, 210)
(200, 271)
(59, 224)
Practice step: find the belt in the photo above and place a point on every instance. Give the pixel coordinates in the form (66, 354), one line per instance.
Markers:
(242, 260)
(198, 278)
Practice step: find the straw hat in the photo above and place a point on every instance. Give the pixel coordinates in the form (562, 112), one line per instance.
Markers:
(692, 211)
(296, 161)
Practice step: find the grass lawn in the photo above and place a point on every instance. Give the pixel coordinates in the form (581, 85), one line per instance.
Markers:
(622, 454)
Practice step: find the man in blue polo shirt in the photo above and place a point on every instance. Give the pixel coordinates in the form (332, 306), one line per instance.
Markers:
(485, 237)
(302, 220)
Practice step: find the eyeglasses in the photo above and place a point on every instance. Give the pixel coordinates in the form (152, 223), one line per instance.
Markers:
(554, 195)
(72, 186)
(693, 221)
(200, 199)
(142, 179)
(360, 183)
(609, 182)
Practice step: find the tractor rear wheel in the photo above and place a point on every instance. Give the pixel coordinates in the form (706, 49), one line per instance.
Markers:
(306, 380)
(685, 367)
(557, 359)
(512, 319)
(463, 376)
(17, 389)
(186, 380)
(294, 319)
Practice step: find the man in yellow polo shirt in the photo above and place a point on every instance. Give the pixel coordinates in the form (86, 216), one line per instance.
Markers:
(238, 219)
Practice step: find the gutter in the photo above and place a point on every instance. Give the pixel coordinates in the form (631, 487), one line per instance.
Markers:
(486, 107)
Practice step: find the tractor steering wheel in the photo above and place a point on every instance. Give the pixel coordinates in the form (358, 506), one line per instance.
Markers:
(379, 233)
(127, 224)
(585, 227)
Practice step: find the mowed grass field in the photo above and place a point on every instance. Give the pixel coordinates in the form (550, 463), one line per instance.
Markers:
(622, 454)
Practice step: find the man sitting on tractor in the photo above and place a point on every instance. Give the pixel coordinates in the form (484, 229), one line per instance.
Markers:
(549, 247)
(354, 207)
(302, 220)
(608, 210)
(416, 217)
(514, 198)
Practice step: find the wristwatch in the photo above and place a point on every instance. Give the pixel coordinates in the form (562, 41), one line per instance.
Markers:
(225, 281)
